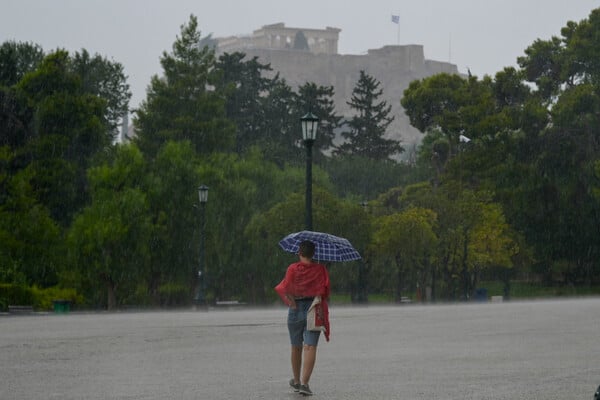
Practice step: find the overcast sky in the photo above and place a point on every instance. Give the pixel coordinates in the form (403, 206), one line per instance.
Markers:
(483, 35)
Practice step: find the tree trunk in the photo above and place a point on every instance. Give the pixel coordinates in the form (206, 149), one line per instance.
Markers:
(433, 283)
(362, 283)
(465, 272)
(111, 299)
(400, 280)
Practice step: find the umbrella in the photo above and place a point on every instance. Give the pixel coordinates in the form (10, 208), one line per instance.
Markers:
(327, 247)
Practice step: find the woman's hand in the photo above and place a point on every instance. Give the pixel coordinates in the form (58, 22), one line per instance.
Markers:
(292, 301)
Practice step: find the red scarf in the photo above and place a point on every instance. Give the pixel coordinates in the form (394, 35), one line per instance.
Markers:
(307, 280)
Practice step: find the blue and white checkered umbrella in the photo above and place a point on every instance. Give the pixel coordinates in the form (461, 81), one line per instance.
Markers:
(327, 247)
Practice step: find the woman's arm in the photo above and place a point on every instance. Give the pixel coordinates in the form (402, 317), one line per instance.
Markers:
(291, 301)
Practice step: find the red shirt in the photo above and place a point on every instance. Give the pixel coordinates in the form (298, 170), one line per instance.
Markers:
(306, 280)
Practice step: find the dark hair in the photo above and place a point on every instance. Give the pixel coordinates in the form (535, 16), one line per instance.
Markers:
(306, 249)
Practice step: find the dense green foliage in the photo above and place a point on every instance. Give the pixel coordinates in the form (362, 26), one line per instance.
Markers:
(504, 187)
(365, 138)
(38, 299)
(266, 110)
(179, 105)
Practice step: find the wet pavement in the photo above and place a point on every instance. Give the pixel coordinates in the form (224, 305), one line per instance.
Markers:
(514, 350)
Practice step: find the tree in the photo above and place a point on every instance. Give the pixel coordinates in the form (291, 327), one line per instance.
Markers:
(240, 188)
(282, 128)
(54, 121)
(409, 239)
(365, 178)
(15, 119)
(98, 75)
(109, 240)
(181, 105)
(281, 140)
(17, 59)
(172, 180)
(428, 102)
(369, 125)
(105, 79)
(319, 101)
(68, 127)
(449, 106)
(245, 87)
(472, 235)
(560, 175)
(493, 245)
(30, 241)
(267, 112)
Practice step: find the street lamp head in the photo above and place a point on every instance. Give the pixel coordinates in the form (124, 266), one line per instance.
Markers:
(310, 122)
(203, 194)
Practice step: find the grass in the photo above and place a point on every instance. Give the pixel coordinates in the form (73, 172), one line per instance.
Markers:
(527, 290)
(518, 290)
(374, 298)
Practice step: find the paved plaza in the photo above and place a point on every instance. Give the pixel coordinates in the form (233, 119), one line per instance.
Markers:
(514, 350)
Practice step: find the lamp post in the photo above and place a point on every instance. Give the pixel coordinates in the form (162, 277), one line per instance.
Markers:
(362, 293)
(310, 123)
(463, 141)
(203, 198)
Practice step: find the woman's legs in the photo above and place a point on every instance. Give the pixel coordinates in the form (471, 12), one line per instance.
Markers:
(296, 362)
(310, 356)
(303, 344)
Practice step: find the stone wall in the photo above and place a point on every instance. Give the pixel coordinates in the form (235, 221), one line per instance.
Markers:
(394, 66)
(280, 37)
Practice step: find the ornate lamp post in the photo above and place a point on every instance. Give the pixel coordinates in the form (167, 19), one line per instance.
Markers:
(203, 198)
(310, 123)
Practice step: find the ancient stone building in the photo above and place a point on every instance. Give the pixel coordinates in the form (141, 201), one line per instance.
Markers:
(394, 66)
(280, 37)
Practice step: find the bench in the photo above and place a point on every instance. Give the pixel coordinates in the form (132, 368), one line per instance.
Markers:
(229, 303)
(16, 309)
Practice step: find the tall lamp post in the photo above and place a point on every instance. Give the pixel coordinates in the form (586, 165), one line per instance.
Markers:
(310, 122)
(203, 198)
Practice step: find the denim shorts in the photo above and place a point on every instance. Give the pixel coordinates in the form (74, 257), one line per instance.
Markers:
(297, 325)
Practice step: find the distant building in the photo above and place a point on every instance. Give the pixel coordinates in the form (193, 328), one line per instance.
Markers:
(394, 66)
(279, 37)
(127, 132)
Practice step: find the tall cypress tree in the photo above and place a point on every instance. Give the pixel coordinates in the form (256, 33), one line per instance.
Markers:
(319, 101)
(369, 125)
(245, 86)
(182, 104)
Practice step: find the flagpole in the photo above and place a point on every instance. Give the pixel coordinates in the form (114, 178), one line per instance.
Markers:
(396, 20)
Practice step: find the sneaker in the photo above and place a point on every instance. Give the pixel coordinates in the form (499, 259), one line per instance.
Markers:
(295, 386)
(305, 390)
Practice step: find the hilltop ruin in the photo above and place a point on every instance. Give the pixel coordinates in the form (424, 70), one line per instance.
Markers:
(303, 55)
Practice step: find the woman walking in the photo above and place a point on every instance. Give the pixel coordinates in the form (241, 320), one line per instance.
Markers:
(304, 280)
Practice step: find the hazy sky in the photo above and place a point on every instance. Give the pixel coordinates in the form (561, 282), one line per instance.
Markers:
(483, 35)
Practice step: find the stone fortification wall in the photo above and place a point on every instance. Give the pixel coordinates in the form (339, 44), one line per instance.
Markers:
(394, 66)
(278, 36)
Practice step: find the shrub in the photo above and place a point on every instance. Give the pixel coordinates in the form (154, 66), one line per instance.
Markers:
(43, 298)
(39, 299)
(172, 294)
(11, 294)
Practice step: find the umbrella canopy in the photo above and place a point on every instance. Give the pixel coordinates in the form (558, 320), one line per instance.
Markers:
(327, 247)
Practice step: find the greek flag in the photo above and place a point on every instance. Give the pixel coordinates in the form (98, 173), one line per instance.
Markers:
(396, 19)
